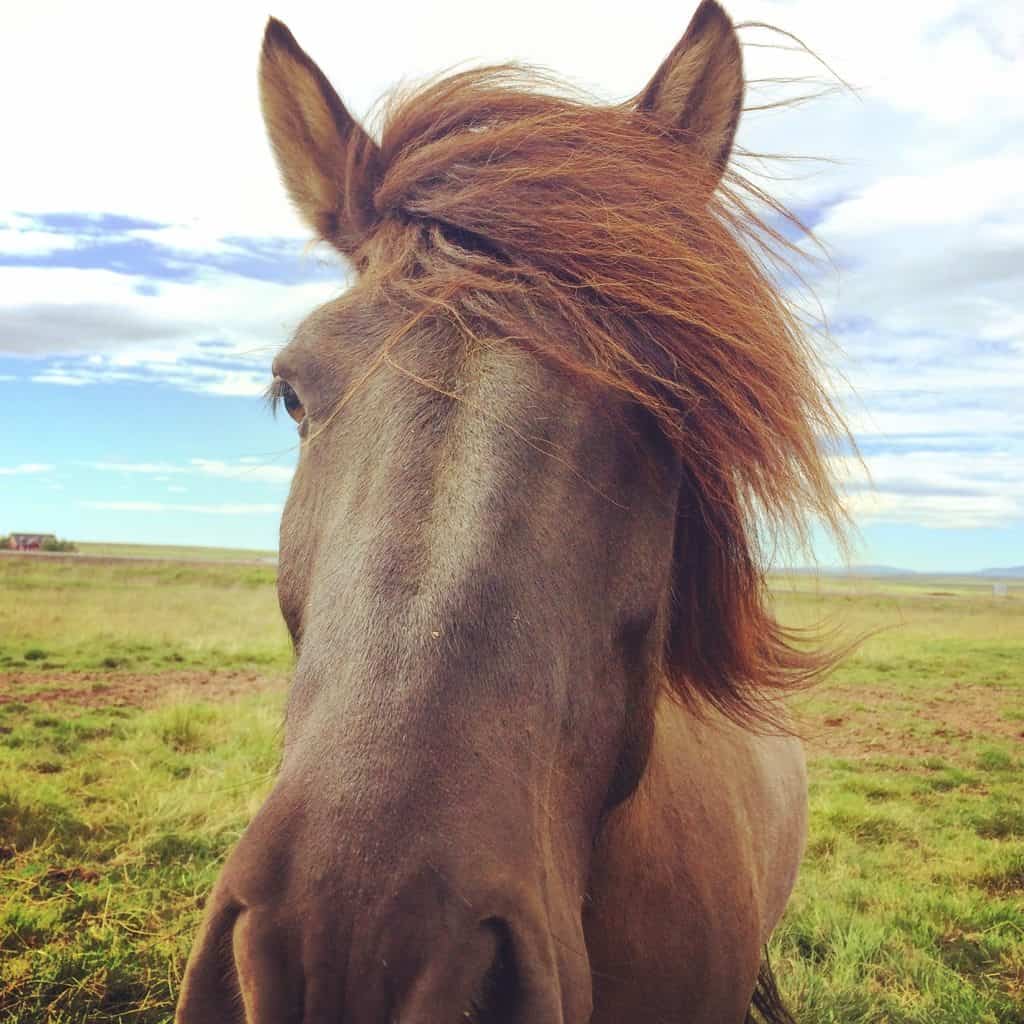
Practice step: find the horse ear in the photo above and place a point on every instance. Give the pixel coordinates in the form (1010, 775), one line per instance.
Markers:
(697, 93)
(328, 163)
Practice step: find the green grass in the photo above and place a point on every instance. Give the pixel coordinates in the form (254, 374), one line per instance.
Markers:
(113, 825)
(114, 820)
(172, 552)
(910, 904)
(63, 614)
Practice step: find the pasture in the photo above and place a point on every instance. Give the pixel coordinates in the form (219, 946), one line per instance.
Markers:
(140, 708)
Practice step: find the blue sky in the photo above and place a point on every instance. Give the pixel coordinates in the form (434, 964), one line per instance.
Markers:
(150, 265)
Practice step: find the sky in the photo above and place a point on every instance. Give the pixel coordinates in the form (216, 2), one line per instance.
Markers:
(150, 264)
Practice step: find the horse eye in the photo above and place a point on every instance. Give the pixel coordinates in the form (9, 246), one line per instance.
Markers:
(283, 391)
(292, 405)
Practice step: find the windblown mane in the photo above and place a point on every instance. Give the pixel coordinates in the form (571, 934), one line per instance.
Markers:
(586, 234)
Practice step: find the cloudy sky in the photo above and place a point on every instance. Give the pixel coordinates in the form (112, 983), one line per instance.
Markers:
(150, 264)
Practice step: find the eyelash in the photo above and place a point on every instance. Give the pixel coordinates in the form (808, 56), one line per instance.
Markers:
(272, 396)
(279, 393)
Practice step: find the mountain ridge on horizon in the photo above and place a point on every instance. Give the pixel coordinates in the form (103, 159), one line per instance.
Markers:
(1002, 572)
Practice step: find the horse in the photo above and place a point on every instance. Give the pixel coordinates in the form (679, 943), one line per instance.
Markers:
(536, 767)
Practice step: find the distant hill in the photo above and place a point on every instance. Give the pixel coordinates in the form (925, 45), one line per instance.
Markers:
(872, 570)
(1013, 572)
(852, 570)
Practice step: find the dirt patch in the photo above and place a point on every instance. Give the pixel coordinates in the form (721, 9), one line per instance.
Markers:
(57, 876)
(131, 689)
(1007, 884)
(940, 725)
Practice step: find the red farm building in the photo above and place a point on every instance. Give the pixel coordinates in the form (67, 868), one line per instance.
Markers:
(29, 541)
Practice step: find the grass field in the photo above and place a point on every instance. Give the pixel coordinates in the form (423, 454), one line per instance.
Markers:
(139, 728)
(62, 614)
(172, 552)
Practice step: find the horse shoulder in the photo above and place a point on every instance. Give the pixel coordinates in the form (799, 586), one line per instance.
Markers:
(692, 873)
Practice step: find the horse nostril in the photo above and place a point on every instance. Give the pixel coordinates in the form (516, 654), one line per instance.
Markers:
(498, 1001)
(211, 990)
(269, 986)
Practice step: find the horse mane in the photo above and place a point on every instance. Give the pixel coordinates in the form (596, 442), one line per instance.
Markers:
(594, 238)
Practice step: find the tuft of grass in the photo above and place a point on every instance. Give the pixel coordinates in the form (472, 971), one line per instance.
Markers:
(995, 759)
(186, 727)
(36, 819)
(999, 820)
(1005, 877)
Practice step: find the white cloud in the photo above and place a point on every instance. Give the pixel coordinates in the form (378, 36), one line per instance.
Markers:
(195, 154)
(147, 468)
(188, 238)
(937, 488)
(944, 59)
(936, 511)
(26, 469)
(240, 383)
(933, 254)
(22, 242)
(184, 373)
(57, 377)
(248, 469)
(22, 236)
(935, 415)
(960, 195)
(50, 311)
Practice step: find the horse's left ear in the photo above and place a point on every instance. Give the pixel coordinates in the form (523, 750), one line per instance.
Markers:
(697, 93)
(328, 163)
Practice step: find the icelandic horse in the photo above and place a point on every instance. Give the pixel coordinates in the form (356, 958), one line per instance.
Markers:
(535, 768)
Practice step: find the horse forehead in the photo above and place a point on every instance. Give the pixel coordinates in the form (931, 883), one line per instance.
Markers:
(319, 334)
(440, 453)
(427, 403)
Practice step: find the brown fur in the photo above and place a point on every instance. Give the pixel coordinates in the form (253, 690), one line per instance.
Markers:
(527, 218)
(532, 768)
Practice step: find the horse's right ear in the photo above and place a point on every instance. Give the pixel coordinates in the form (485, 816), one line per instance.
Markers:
(328, 163)
(697, 94)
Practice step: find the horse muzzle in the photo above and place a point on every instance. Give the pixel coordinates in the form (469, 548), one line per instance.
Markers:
(296, 937)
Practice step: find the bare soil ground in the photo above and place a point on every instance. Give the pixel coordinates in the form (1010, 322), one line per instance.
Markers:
(868, 726)
(865, 728)
(130, 689)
